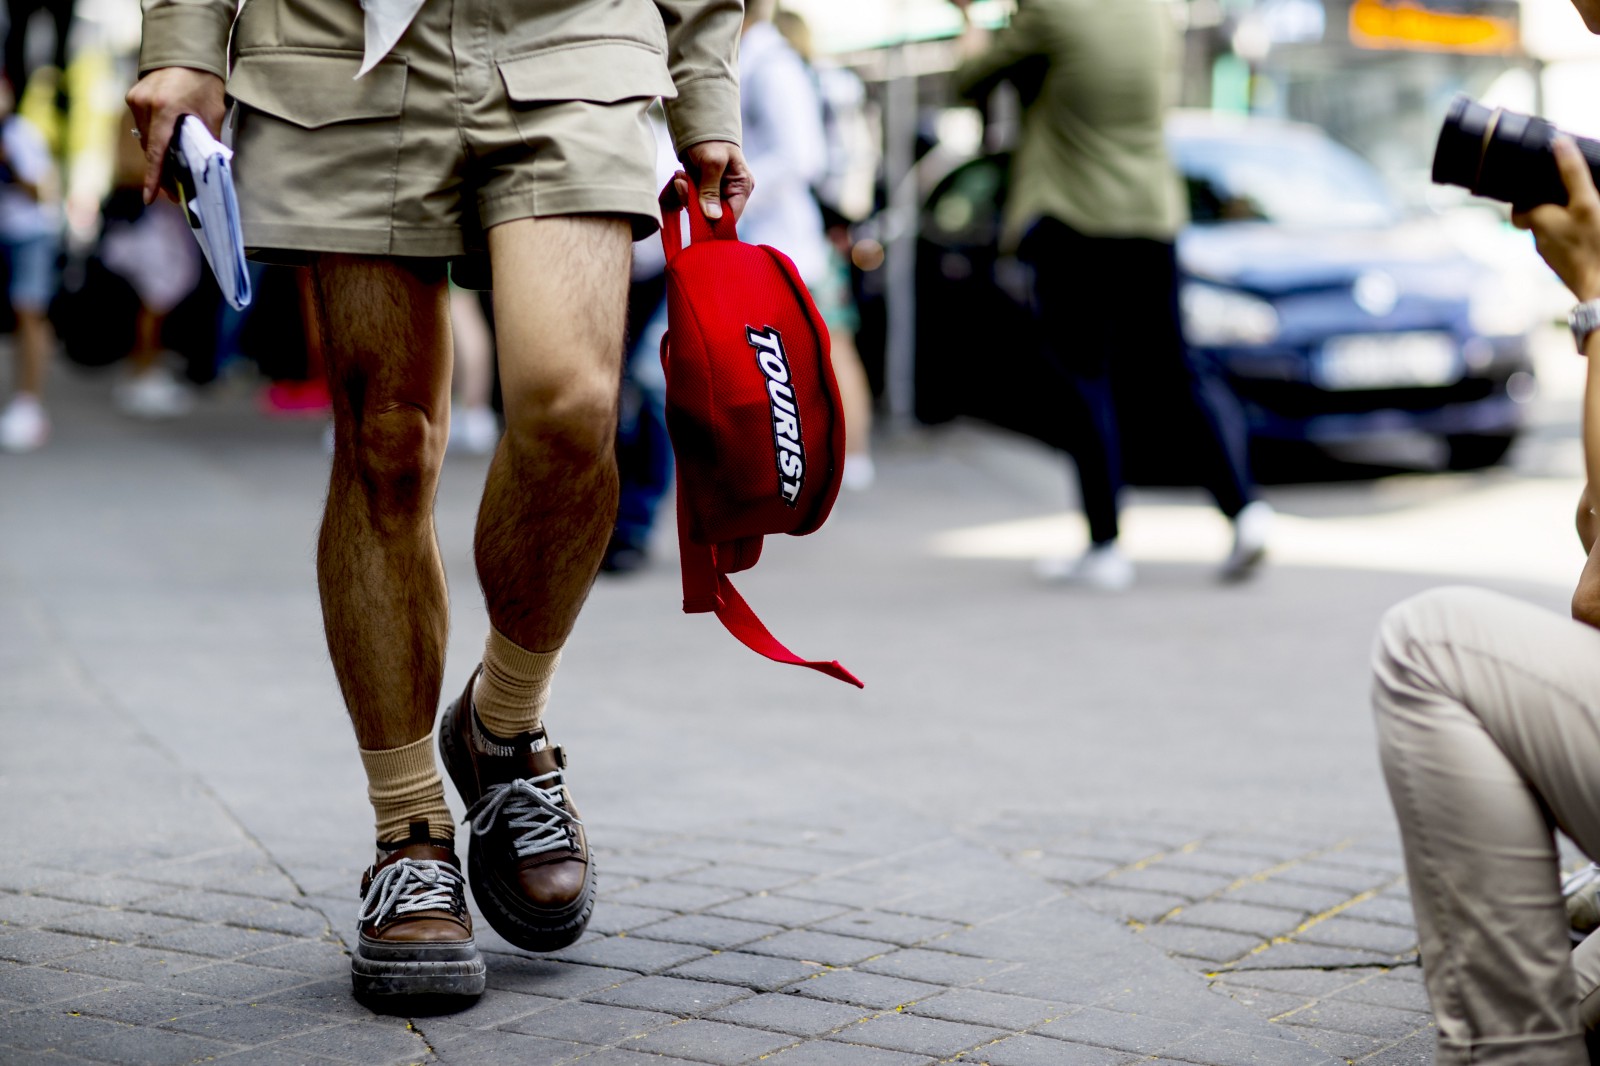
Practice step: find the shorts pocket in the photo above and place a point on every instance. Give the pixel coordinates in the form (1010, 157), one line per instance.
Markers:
(600, 72)
(317, 150)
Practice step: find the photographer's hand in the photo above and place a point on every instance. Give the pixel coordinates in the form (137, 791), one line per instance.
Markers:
(1569, 237)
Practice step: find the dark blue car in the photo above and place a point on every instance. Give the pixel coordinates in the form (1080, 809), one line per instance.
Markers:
(1334, 317)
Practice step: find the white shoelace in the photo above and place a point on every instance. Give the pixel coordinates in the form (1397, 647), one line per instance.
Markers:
(540, 814)
(410, 886)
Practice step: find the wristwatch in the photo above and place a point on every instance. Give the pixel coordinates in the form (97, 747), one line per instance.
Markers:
(1584, 320)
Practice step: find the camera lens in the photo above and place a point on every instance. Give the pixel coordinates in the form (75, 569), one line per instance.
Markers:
(1503, 155)
(1462, 139)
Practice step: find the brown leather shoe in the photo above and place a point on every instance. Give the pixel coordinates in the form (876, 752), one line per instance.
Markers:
(414, 932)
(529, 863)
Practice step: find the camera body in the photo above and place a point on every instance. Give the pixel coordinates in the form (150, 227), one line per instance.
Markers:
(1503, 155)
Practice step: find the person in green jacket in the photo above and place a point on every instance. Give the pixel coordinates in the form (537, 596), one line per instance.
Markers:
(1095, 207)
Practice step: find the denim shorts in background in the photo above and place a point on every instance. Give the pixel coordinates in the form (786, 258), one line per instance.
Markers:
(32, 264)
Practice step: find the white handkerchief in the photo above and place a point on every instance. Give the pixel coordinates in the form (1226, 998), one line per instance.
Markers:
(386, 21)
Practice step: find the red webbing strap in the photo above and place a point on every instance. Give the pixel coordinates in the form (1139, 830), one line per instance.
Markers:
(700, 227)
(742, 622)
(699, 566)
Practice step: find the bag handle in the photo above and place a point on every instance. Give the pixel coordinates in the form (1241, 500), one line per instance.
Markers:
(701, 228)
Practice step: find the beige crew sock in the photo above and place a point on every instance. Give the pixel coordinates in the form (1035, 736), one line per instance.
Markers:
(404, 787)
(514, 686)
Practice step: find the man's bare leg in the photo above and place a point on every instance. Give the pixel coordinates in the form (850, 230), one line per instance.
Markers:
(548, 509)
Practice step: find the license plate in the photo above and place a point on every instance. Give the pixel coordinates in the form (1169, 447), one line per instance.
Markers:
(1389, 361)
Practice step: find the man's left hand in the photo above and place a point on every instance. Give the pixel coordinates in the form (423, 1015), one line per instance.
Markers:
(720, 175)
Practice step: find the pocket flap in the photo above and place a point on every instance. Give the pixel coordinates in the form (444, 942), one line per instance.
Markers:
(313, 89)
(602, 72)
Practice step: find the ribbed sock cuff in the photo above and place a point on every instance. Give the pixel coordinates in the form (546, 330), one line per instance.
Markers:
(514, 686)
(404, 786)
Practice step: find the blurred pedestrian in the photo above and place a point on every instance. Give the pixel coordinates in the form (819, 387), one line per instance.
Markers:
(29, 238)
(19, 15)
(510, 137)
(787, 144)
(1488, 714)
(474, 429)
(1095, 206)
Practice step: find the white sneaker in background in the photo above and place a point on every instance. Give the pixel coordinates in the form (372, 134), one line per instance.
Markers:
(23, 424)
(152, 394)
(473, 430)
(1102, 567)
(859, 473)
(1251, 528)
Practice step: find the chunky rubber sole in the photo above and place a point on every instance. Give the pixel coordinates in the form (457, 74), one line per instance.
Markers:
(507, 913)
(381, 971)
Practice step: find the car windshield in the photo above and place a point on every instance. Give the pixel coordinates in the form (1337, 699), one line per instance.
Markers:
(1292, 180)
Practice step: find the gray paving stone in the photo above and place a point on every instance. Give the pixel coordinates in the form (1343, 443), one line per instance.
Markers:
(797, 1015)
(902, 929)
(245, 1023)
(1369, 936)
(1224, 863)
(1297, 956)
(1310, 983)
(677, 896)
(1385, 1023)
(865, 989)
(917, 1035)
(103, 891)
(461, 1045)
(323, 958)
(331, 998)
(220, 941)
(30, 946)
(846, 892)
(33, 912)
(826, 948)
(1307, 899)
(1129, 902)
(708, 931)
(546, 977)
(1124, 851)
(739, 876)
(977, 1007)
(236, 980)
(1189, 884)
(117, 926)
(1069, 869)
(1217, 1047)
(43, 1028)
(935, 967)
(648, 866)
(590, 1023)
(139, 1004)
(632, 953)
(1257, 921)
(1383, 909)
(369, 1043)
(828, 1053)
(271, 1056)
(1417, 1050)
(1260, 1001)
(615, 1056)
(713, 1042)
(1346, 1047)
(197, 905)
(1388, 992)
(1042, 1051)
(1210, 945)
(1118, 1031)
(786, 911)
(972, 904)
(36, 984)
(134, 963)
(139, 1046)
(760, 973)
(1322, 875)
(807, 860)
(495, 1007)
(292, 918)
(674, 995)
(611, 917)
(1388, 860)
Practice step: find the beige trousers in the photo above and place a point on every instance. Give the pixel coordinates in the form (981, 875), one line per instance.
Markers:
(1488, 714)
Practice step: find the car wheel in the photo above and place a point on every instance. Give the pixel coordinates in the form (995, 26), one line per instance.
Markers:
(1477, 452)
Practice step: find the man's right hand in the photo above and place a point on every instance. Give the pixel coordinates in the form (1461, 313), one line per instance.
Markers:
(158, 99)
(1569, 237)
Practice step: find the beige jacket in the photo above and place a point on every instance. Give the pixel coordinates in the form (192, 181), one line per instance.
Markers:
(589, 48)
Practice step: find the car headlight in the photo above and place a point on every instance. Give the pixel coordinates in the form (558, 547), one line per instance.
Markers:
(1215, 317)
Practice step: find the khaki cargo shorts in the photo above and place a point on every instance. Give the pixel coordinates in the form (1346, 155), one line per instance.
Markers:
(486, 111)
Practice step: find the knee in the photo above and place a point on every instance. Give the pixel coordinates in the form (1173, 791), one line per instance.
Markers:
(1411, 649)
(573, 423)
(397, 449)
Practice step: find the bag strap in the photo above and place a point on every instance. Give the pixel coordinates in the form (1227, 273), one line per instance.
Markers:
(701, 228)
(706, 589)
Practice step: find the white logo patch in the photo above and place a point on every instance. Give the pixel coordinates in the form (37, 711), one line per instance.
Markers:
(787, 444)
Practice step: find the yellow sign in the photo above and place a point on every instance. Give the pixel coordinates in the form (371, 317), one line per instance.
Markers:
(1397, 24)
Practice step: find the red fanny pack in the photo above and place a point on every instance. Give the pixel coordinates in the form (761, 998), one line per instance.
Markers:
(753, 411)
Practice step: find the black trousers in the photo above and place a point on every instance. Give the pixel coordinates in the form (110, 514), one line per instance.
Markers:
(1104, 300)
